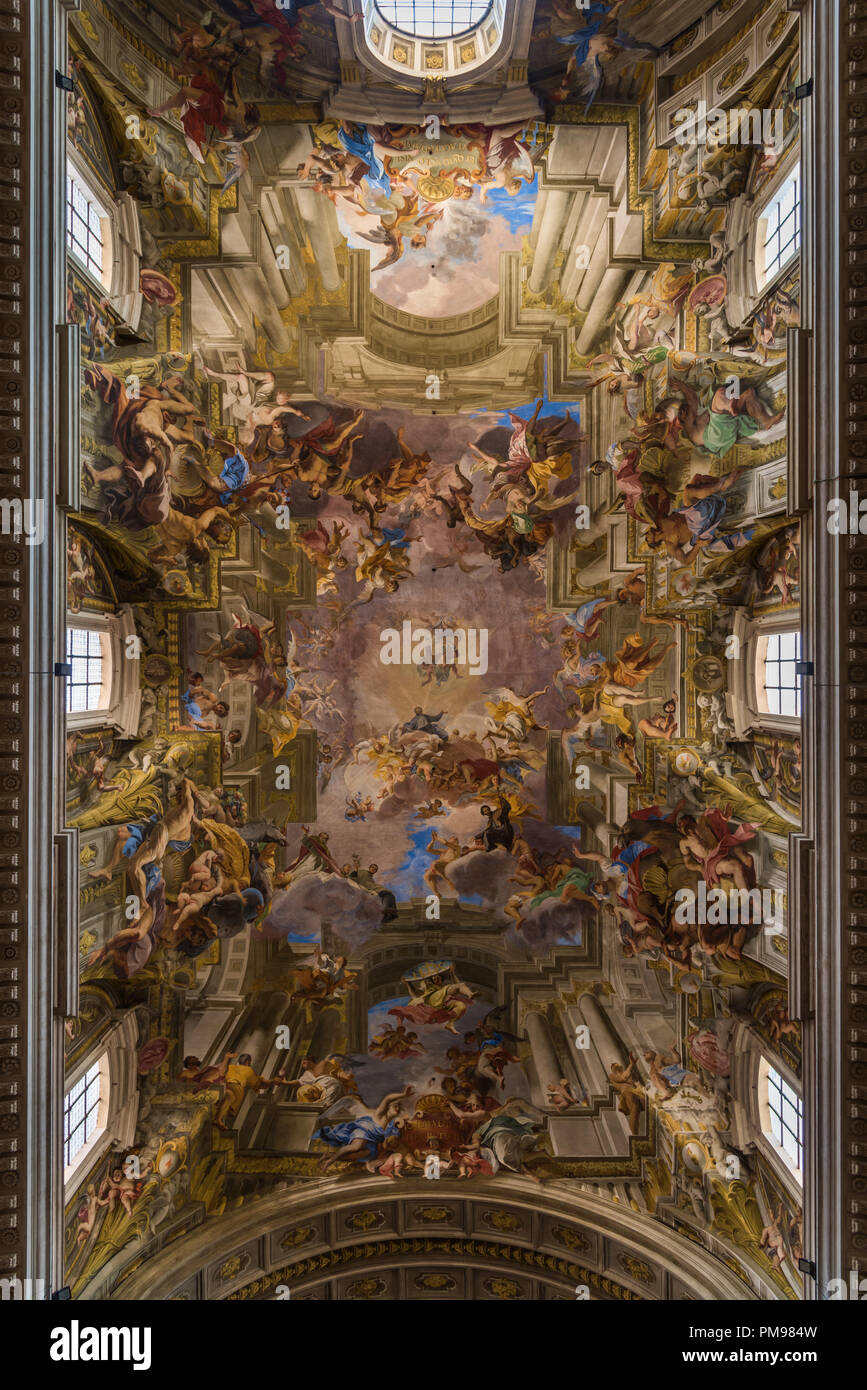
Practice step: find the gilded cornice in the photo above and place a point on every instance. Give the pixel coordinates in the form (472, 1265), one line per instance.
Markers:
(469, 1252)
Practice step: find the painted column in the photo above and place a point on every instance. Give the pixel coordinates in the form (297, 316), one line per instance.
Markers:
(545, 1059)
(602, 1036)
(550, 232)
(610, 287)
(318, 213)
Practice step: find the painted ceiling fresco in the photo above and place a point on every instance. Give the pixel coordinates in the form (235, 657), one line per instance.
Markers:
(434, 502)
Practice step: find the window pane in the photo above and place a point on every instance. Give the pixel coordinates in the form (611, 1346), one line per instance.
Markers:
(84, 654)
(786, 1117)
(789, 704)
(782, 225)
(434, 18)
(80, 1109)
(778, 680)
(84, 214)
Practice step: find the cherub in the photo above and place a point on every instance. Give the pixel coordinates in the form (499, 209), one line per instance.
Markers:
(779, 1023)
(87, 1214)
(562, 1096)
(405, 220)
(117, 1187)
(358, 807)
(80, 572)
(771, 1238)
(202, 875)
(711, 189)
(98, 768)
(317, 700)
(714, 264)
(391, 1160)
(195, 899)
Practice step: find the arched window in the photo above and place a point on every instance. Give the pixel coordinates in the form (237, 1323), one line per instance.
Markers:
(104, 688)
(100, 1105)
(778, 238)
(88, 227)
(103, 239)
(782, 1116)
(765, 690)
(88, 652)
(778, 686)
(434, 19)
(85, 1111)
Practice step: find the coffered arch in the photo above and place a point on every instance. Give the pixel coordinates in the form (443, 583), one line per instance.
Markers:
(545, 1241)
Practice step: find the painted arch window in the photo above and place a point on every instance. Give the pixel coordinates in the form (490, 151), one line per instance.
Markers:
(779, 228)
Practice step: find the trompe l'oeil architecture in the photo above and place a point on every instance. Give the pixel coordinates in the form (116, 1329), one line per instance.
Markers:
(372, 325)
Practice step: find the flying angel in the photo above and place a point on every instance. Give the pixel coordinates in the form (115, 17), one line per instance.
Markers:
(238, 156)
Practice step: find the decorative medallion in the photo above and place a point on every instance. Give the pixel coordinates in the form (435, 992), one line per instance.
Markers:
(502, 1220)
(301, 1235)
(233, 1267)
(732, 75)
(502, 1288)
(636, 1269)
(367, 1288)
(435, 1283)
(365, 1220)
(571, 1238)
(431, 1216)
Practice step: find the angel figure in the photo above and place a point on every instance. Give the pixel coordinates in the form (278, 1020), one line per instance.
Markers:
(711, 189)
(599, 39)
(403, 219)
(771, 1239)
(238, 156)
(206, 110)
(508, 163)
(361, 1136)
